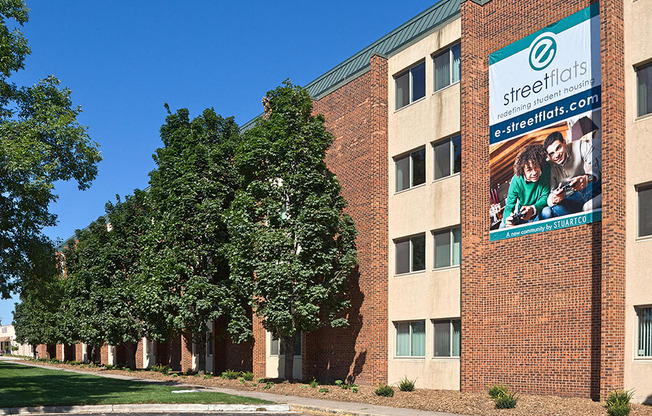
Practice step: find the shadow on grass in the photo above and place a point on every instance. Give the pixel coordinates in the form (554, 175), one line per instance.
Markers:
(22, 386)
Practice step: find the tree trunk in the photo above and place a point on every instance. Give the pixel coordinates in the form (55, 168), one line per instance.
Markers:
(201, 352)
(288, 345)
(131, 348)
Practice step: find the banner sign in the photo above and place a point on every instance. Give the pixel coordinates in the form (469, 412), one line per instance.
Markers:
(545, 129)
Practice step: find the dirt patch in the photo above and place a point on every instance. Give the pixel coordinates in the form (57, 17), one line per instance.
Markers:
(423, 399)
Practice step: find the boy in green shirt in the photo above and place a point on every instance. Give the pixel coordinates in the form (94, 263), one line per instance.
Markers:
(529, 188)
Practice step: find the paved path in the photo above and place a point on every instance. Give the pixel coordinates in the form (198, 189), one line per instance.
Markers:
(295, 403)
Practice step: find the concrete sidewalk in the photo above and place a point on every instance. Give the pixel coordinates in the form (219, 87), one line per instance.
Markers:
(294, 403)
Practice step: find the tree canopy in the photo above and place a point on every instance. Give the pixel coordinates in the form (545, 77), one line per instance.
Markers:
(191, 188)
(292, 245)
(41, 142)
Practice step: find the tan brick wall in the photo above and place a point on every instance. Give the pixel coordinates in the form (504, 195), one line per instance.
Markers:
(543, 312)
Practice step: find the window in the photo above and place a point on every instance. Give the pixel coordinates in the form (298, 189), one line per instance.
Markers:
(411, 339)
(644, 316)
(448, 157)
(447, 247)
(448, 334)
(411, 169)
(644, 89)
(411, 85)
(447, 67)
(276, 347)
(411, 254)
(644, 210)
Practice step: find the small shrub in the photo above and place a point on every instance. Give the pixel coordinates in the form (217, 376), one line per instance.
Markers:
(496, 390)
(618, 402)
(159, 368)
(230, 375)
(354, 388)
(268, 385)
(242, 380)
(247, 375)
(339, 383)
(207, 376)
(313, 383)
(384, 390)
(406, 384)
(323, 390)
(506, 399)
(261, 380)
(175, 375)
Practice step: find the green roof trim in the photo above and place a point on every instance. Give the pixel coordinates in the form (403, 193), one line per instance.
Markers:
(396, 40)
(388, 45)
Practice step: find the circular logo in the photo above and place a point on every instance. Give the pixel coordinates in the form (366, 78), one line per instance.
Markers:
(542, 51)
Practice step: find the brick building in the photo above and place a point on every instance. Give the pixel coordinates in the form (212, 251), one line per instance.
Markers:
(443, 293)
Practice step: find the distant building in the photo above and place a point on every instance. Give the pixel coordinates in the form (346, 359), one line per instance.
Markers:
(9, 345)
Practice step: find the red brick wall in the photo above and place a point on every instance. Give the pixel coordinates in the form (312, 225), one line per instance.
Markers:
(79, 356)
(104, 354)
(356, 114)
(186, 354)
(612, 335)
(544, 312)
(232, 356)
(60, 352)
(139, 354)
(258, 348)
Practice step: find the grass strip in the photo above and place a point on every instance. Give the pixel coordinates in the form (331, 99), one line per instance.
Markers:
(22, 385)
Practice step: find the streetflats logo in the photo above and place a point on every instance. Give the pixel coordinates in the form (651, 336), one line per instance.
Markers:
(542, 51)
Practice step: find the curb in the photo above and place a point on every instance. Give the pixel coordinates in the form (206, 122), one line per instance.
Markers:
(148, 408)
(316, 410)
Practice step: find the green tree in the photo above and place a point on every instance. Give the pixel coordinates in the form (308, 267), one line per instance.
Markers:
(102, 283)
(41, 142)
(292, 246)
(193, 185)
(36, 316)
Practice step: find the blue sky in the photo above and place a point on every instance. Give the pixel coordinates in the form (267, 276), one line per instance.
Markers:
(123, 60)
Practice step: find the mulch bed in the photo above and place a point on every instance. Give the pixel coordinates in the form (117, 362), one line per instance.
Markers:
(423, 399)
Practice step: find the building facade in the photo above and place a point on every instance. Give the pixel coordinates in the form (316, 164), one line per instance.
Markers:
(443, 294)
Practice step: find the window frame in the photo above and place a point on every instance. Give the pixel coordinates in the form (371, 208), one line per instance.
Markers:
(411, 348)
(446, 51)
(410, 157)
(410, 242)
(642, 188)
(410, 74)
(451, 156)
(279, 349)
(451, 243)
(647, 66)
(637, 344)
(451, 329)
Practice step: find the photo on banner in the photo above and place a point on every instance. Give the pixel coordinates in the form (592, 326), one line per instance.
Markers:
(545, 124)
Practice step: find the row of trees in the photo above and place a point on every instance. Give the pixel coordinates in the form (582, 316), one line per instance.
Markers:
(233, 224)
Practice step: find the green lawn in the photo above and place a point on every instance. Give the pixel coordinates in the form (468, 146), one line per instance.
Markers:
(22, 385)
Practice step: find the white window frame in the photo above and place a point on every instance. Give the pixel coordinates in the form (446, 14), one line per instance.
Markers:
(410, 325)
(409, 157)
(450, 337)
(410, 253)
(451, 242)
(451, 157)
(646, 187)
(640, 333)
(449, 51)
(643, 67)
(410, 74)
